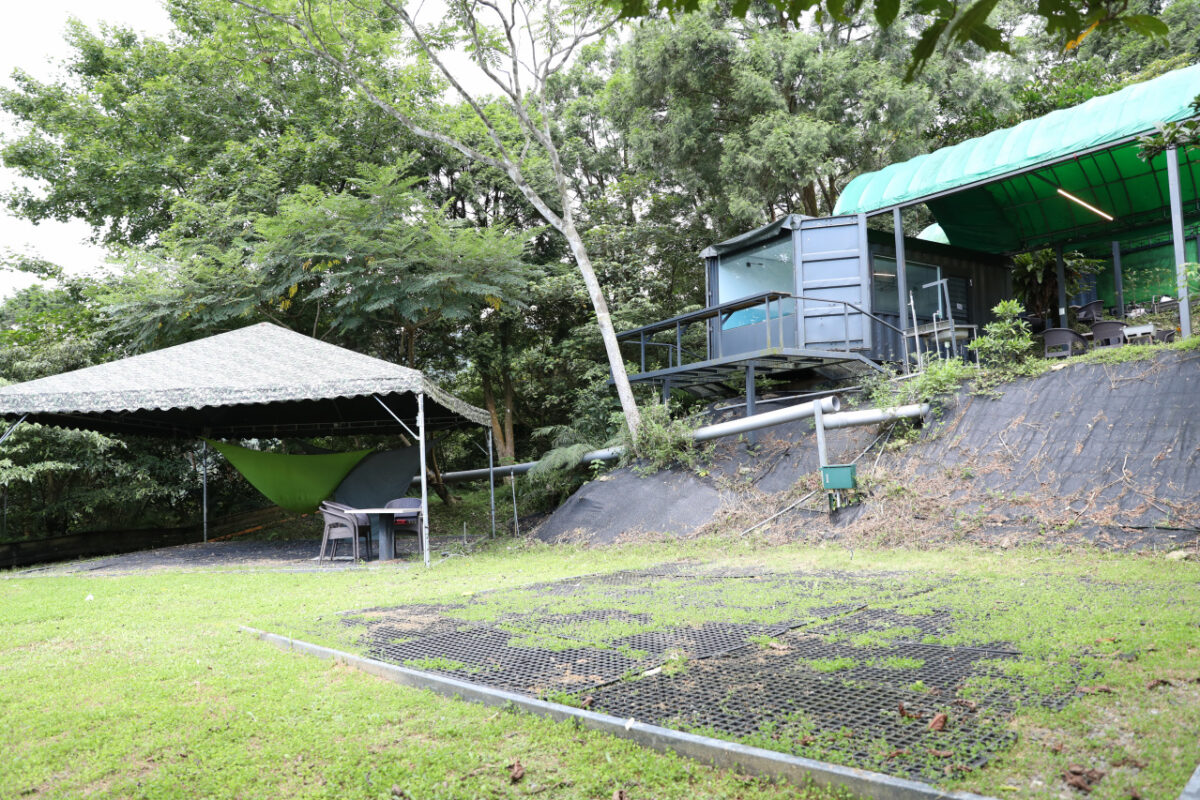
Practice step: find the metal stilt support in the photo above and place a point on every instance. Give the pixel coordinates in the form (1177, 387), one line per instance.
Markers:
(424, 477)
(204, 485)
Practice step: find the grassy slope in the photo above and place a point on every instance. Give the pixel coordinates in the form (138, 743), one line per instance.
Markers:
(148, 690)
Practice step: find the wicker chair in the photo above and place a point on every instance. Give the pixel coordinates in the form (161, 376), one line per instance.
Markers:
(339, 526)
(1164, 336)
(408, 514)
(1108, 333)
(1090, 313)
(1062, 342)
(1036, 323)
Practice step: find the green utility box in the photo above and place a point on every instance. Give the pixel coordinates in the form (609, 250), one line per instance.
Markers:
(839, 476)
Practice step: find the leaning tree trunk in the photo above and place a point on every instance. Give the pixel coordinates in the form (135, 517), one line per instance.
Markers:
(633, 417)
(501, 429)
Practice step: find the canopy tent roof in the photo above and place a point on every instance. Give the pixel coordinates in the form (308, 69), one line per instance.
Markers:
(933, 233)
(999, 192)
(767, 232)
(256, 382)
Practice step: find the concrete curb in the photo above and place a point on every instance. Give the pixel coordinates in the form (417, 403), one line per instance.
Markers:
(1192, 790)
(716, 752)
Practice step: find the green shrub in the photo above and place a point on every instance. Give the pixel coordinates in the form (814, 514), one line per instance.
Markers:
(941, 376)
(662, 442)
(1007, 340)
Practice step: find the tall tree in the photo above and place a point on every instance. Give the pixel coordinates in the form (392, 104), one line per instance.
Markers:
(518, 48)
(943, 24)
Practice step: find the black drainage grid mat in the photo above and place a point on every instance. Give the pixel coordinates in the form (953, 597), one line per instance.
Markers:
(830, 691)
(705, 641)
(382, 625)
(563, 625)
(484, 655)
(939, 670)
(882, 620)
(764, 699)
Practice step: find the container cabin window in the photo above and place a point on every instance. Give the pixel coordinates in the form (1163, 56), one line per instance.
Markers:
(883, 294)
(766, 268)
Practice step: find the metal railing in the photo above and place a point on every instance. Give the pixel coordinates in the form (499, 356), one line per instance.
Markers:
(724, 310)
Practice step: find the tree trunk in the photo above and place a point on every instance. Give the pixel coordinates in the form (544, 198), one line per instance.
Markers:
(633, 417)
(808, 196)
(501, 429)
(433, 478)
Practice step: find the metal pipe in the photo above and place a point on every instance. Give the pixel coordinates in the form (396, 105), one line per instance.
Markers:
(819, 423)
(875, 416)
(733, 427)
(765, 420)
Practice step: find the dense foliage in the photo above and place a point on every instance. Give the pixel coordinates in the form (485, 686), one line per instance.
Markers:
(237, 182)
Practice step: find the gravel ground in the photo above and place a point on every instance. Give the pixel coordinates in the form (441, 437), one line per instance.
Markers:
(288, 556)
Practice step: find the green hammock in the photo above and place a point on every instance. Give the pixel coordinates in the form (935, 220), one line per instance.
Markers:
(295, 482)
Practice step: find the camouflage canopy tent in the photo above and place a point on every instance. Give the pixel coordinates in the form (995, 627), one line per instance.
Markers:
(262, 381)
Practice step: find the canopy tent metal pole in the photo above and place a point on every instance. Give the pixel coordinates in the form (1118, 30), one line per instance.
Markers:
(379, 400)
(12, 428)
(491, 483)
(512, 481)
(1060, 273)
(204, 484)
(901, 278)
(1185, 311)
(424, 479)
(1118, 284)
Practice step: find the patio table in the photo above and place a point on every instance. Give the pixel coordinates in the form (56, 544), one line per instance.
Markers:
(1145, 332)
(383, 527)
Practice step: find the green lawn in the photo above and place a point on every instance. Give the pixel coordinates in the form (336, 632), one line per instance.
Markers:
(142, 686)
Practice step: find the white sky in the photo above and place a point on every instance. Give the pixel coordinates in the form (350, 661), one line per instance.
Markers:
(32, 38)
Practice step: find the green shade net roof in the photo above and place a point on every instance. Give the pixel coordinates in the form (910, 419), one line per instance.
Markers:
(296, 482)
(933, 233)
(999, 192)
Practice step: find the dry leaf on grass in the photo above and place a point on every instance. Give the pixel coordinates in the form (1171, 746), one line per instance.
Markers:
(896, 753)
(1098, 689)
(587, 702)
(938, 723)
(1082, 779)
(1154, 684)
(904, 712)
(942, 753)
